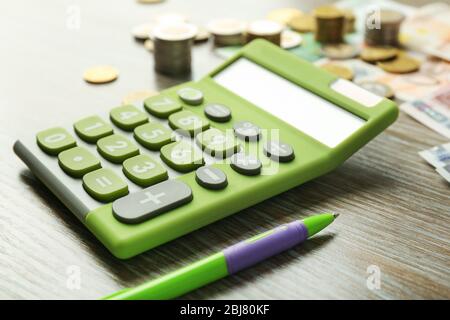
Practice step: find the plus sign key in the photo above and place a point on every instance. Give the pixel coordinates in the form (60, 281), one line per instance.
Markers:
(152, 201)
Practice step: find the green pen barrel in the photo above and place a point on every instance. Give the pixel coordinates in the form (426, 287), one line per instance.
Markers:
(179, 282)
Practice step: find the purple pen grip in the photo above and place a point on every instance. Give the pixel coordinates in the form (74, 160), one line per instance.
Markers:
(245, 253)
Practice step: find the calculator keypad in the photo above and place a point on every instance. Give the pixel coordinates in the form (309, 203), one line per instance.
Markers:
(53, 141)
(144, 170)
(153, 135)
(161, 106)
(187, 121)
(128, 117)
(182, 156)
(116, 148)
(92, 128)
(175, 147)
(104, 185)
(78, 161)
(152, 201)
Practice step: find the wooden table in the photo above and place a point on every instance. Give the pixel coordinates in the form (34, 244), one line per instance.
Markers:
(394, 208)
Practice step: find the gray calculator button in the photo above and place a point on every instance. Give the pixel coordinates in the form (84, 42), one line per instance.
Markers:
(211, 178)
(279, 151)
(218, 112)
(191, 96)
(246, 164)
(247, 131)
(152, 201)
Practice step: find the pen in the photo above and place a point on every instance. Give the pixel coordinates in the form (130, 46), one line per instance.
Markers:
(229, 261)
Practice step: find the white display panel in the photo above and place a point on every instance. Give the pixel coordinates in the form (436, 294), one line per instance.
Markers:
(309, 113)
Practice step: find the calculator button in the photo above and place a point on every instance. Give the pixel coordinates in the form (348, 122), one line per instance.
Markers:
(144, 170)
(246, 164)
(211, 178)
(153, 135)
(78, 161)
(104, 185)
(55, 140)
(152, 201)
(279, 151)
(161, 106)
(218, 112)
(191, 96)
(182, 156)
(116, 148)
(92, 128)
(188, 121)
(247, 131)
(216, 143)
(128, 117)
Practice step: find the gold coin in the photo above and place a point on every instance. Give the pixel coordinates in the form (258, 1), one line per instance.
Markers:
(100, 74)
(305, 23)
(340, 71)
(402, 64)
(375, 54)
(138, 96)
(328, 12)
(149, 45)
(284, 15)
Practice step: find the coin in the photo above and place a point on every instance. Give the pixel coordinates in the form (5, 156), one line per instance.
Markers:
(303, 24)
(284, 15)
(340, 51)
(383, 31)
(377, 88)
(202, 35)
(265, 29)
(149, 45)
(227, 32)
(142, 31)
(290, 39)
(137, 96)
(330, 24)
(100, 74)
(349, 20)
(375, 54)
(402, 64)
(340, 71)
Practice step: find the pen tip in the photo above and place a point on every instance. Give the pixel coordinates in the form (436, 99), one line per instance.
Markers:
(335, 215)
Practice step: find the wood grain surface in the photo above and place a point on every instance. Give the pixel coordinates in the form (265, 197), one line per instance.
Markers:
(394, 207)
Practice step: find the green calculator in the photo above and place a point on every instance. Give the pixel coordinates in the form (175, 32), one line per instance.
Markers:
(263, 122)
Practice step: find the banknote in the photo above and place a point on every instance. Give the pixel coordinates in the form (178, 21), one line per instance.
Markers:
(428, 30)
(433, 75)
(438, 156)
(433, 110)
(444, 172)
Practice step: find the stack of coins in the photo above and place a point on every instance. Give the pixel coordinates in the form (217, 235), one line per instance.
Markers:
(382, 28)
(304, 23)
(330, 23)
(227, 32)
(265, 29)
(172, 47)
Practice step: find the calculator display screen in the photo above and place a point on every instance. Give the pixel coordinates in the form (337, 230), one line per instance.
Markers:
(308, 112)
